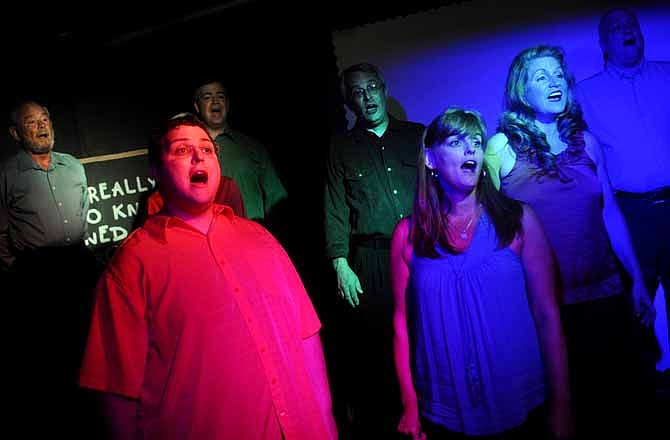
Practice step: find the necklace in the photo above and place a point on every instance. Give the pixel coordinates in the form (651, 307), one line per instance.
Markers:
(463, 234)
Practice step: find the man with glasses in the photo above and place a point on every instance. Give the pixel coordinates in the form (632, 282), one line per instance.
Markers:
(370, 176)
(627, 107)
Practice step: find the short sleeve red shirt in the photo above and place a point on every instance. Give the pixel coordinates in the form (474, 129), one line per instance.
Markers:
(206, 332)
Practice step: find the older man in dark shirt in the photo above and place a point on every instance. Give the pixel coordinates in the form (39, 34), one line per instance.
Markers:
(43, 205)
(370, 176)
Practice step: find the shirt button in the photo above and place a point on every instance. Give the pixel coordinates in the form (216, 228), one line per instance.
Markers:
(67, 239)
(274, 381)
(360, 174)
(65, 221)
(401, 215)
(395, 191)
(388, 169)
(237, 289)
(60, 204)
(53, 187)
(282, 414)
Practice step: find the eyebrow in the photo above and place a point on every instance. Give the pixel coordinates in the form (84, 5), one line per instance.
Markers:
(188, 140)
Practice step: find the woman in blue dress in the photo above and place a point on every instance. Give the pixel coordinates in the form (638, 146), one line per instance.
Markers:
(479, 349)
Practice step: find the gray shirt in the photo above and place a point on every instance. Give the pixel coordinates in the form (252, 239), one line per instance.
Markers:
(41, 208)
(629, 113)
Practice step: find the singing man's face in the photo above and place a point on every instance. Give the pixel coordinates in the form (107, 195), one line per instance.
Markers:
(367, 98)
(188, 172)
(622, 41)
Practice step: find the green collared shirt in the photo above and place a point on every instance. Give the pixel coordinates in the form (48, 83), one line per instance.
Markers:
(41, 208)
(370, 183)
(248, 163)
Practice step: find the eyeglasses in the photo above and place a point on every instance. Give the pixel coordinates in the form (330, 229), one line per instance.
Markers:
(181, 151)
(372, 88)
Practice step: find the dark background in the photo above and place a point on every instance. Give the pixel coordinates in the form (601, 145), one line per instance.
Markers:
(109, 71)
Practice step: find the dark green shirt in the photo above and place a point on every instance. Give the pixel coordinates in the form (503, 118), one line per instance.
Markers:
(41, 208)
(370, 183)
(248, 163)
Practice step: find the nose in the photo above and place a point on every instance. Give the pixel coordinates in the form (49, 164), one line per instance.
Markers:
(469, 148)
(198, 155)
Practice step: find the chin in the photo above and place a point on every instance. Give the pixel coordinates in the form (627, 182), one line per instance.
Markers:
(40, 149)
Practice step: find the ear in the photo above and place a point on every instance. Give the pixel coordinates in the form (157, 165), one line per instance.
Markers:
(430, 159)
(602, 46)
(14, 133)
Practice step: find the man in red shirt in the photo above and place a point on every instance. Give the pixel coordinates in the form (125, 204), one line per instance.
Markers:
(202, 328)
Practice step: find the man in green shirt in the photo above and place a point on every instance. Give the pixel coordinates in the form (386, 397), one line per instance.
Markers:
(241, 157)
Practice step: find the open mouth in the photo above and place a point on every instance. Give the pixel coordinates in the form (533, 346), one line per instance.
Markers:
(43, 135)
(370, 108)
(199, 177)
(555, 96)
(469, 165)
(629, 41)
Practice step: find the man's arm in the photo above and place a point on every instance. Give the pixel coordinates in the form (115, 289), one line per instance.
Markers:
(120, 415)
(274, 192)
(338, 229)
(615, 224)
(316, 366)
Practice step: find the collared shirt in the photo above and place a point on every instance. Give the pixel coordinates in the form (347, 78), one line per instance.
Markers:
(206, 331)
(629, 113)
(370, 183)
(41, 208)
(248, 163)
(228, 194)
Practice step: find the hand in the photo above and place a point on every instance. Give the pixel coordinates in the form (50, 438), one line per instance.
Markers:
(560, 420)
(645, 312)
(348, 285)
(409, 424)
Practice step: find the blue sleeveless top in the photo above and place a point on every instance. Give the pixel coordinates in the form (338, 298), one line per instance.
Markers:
(476, 361)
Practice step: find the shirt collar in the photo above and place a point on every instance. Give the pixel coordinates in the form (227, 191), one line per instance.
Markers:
(394, 125)
(228, 132)
(626, 73)
(25, 162)
(157, 225)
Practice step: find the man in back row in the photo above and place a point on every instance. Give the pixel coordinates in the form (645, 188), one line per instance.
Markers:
(51, 273)
(240, 156)
(627, 107)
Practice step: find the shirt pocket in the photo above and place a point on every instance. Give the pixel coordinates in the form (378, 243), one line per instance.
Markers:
(358, 184)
